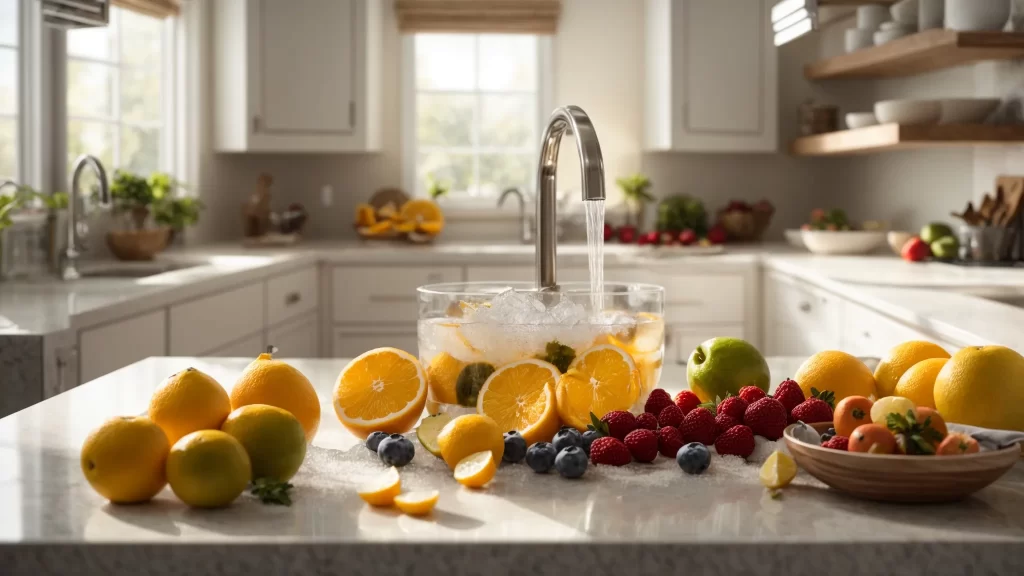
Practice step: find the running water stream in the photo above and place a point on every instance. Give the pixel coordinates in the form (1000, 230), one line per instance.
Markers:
(595, 252)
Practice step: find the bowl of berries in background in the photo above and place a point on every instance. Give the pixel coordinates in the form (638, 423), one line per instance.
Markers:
(831, 233)
(745, 222)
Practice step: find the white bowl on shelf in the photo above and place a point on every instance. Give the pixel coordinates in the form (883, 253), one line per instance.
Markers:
(908, 112)
(885, 36)
(842, 242)
(795, 237)
(977, 15)
(905, 12)
(858, 39)
(856, 120)
(871, 16)
(967, 110)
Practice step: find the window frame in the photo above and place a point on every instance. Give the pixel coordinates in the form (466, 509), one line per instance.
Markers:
(478, 205)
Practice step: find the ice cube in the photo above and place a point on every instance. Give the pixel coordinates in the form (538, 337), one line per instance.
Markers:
(512, 307)
(566, 312)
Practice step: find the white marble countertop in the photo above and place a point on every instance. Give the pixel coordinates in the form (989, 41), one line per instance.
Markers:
(632, 520)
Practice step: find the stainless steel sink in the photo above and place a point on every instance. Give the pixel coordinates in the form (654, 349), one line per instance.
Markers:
(129, 269)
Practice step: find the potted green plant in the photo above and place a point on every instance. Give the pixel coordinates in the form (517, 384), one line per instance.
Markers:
(635, 190)
(177, 213)
(436, 189)
(132, 195)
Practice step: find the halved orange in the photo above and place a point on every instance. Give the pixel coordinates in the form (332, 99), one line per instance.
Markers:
(421, 210)
(521, 397)
(383, 389)
(600, 380)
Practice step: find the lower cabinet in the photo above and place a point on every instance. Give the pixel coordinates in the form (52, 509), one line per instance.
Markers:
(351, 342)
(680, 341)
(298, 338)
(106, 348)
(249, 347)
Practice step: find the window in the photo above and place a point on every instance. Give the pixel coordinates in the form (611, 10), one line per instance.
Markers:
(9, 87)
(118, 94)
(475, 112)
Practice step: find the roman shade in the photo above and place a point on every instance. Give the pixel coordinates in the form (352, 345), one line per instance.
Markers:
(155, 8)
(478, 16)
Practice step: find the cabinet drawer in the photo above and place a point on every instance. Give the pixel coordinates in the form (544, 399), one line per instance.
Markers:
(807, 308)
(699, 298)
(299, 338)
(384, 295)
(683, 340)
(292, 294)
(248, 347)
(349, 343)
(868, 333)
(203, 325)
(107, 348)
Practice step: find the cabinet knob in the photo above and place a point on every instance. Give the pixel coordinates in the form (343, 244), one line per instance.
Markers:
(292, 298)
(805, 306)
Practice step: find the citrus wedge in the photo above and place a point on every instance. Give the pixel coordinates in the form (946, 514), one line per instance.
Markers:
(475, 470)
(417, 503)
(421, 210)
(429, 429)
(442, 375)
(600, 380)
(650, 334)
(778, 471)
(384, 389)
(382, 490)
(521, 397)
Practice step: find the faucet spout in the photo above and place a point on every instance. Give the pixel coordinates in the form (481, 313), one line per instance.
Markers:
(70, 271)
(568, 120)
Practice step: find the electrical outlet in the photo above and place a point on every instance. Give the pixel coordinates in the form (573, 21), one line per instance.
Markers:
(327, 195)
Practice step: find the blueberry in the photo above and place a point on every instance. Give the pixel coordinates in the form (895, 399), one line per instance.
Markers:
(693, 458)
(373, 440)
(541, 457)
(828, 435)
(571, 462)
(588, 438)
(567, 437)
(515, 447)
(831, 431)
(396, 450)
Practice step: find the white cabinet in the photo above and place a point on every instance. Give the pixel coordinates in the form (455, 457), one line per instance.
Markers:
(299, 338)
(250, 346)
(386, 295)
(349, 343)
(712, 78)
(800, 319)
(204, 325)
(291, 295)
(868, 333)
(297, 75)
(109, 347)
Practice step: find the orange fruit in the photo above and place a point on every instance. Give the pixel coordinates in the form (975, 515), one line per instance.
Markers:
(382, 227)
(420, 211)
(599, 381)
(922, 413)
(901, 358)
(521, 397)
(188, 401)
(836, 371)
(276, 383)
(431, 228)
(272, 437)
(365, 215)
(208, 469)
(384, 389)
(983, 386)
(918, 383)
(957, 444)
(469, 434)
(124, 459)
(850, 413)
(872, 438)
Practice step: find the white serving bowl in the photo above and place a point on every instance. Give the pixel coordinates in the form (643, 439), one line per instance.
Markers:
(886, 36)
(856, 120)
(977, 15)
(846, 242)
(858, 39)
(896, 240)
(871, 16)
(905, 12)
(795, 238)
(967, 110)
(908, 112)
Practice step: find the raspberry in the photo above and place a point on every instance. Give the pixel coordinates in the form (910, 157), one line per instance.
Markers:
(733, 406)
(610, 451)
(751, 394)
(811, 411)
(657, 401)
(736, 441)
(670, 415)
(619, 423)
(643, 445)
(698, 426)
(837, 443)
(687, 401)
(767, 417)
(669, 441)
(723, 422)
(790, 394)
(647, 421)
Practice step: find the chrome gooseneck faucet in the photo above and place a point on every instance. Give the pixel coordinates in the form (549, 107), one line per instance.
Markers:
(70, 271)
(568, 120)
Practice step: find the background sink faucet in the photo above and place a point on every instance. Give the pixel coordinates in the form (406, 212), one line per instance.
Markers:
(525, 229)
(70, 270)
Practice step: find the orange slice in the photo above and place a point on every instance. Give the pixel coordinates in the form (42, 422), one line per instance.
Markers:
(521, 396)
(476, 470)
(365, 215)
(600, 380)
(421, 210)
(377, 229)
(433, 228)
(417, 503)
(384, 389)
(405, 226)
(382, 490)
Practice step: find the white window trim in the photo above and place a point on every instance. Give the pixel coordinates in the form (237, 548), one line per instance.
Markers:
(33, 95)
(474, 207)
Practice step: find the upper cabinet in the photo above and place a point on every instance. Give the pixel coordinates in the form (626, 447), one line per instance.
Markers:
(297, 75)
(712, 78)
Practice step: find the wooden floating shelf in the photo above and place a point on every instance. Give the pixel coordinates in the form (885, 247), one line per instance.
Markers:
(918, 53)
(895, 137)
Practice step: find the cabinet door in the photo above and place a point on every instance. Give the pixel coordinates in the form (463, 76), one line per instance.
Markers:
(349, 343)
(116, 345)
(299, 338)
(247, 347)
(204, 325)
(800, 319)
(305, 66)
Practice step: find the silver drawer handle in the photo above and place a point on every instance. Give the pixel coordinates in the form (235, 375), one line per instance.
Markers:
(805, 306)
(292, 298)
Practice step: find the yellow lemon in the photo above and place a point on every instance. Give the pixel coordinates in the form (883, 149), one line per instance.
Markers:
(382, 490)
(600, 380)
(837, 371)
(778, 470)
(208, 469)
(188, 401)
(918, 383)
(469, 434)
(521, 397)
(476, 470)
(272, 437)
(982, 386)
(900, 359)
(384, 389)
(881, 409)
(442, 374)
(417, 503)
(124, 459)
(276, 383)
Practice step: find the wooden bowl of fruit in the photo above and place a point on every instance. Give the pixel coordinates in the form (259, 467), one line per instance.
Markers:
(897, 477)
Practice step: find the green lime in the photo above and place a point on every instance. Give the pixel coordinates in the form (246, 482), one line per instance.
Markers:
(470, 381)
(428, 430)
(945, 248)
(934, 231)
(721, 366)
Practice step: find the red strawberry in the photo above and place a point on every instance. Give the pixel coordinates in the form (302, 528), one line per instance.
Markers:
(837, 443)
(723, 422)
(687, 401)
(698, 426)
(751, 394)
(669, 441)
(619, 423)
(610, 451)
(733, 406)
(767, 417)
(736, 441)
(812, 410)
(657, 401)
(647, 421)
(642, 444)
(790, 394)
(671, 415)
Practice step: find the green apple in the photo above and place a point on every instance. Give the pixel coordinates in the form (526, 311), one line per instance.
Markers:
(934, 231)
(721, 366)
(945, 248)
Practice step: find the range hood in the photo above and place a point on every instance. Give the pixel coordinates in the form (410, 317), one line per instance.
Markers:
(69, 14)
